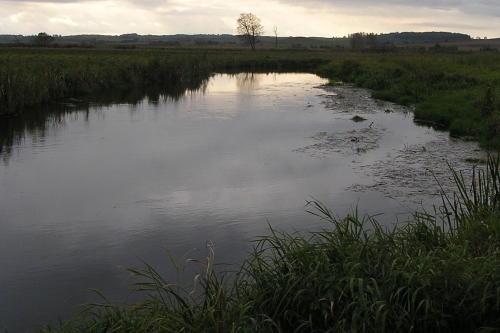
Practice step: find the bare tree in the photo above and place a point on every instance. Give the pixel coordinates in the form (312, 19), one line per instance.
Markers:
(249, 28)
(275, 31)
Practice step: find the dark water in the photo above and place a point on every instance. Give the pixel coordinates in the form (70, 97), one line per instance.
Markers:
(96, 189)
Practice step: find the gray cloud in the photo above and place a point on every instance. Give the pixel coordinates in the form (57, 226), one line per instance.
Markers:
(47, 1)
(293, 17)
(483, 7)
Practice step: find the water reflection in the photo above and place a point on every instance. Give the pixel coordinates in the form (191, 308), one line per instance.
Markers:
(39, 123)
(103, 182)
(36, 125)
(100, 182)
(246, 82)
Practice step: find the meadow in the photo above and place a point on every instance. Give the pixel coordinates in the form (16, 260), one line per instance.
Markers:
(36, 83)
(30, 78)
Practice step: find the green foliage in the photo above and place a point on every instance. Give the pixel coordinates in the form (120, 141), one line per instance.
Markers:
(361, 277)
(359, 40)
(457, 91)
(489, 103)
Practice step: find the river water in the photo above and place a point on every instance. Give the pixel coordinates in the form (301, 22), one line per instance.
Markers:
(107, 186)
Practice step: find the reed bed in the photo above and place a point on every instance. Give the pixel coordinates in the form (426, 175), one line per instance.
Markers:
(30, 78)
(437, 272)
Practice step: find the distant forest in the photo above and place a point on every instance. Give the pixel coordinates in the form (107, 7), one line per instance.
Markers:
(422, 37)
(371, 41)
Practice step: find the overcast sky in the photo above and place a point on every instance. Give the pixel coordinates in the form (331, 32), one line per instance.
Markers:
(325, 18)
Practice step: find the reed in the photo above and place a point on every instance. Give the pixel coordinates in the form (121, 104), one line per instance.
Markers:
(30, 78)
(436, 272)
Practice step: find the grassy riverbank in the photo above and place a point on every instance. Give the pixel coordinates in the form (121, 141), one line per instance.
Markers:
(439, 272)
(456, 91)
(33, 77)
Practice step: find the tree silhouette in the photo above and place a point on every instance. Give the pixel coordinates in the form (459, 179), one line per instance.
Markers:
(360, 40)
(42, 39)
(357, 40)
(371, 40)
(249, 29)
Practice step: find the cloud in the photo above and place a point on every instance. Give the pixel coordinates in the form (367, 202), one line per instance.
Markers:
(478, 7)
(45, 1)
(324, 18)
(63, 21)
(15, 18)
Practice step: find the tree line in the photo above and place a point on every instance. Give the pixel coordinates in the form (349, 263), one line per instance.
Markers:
(249, 28)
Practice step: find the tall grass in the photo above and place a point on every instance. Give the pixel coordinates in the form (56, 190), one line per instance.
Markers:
(30, 78)
(475, 208)
(361, 277)
(482, 196)
(438, 272)
(460, 91)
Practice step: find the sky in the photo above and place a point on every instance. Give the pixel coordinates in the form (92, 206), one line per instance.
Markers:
(320, 18)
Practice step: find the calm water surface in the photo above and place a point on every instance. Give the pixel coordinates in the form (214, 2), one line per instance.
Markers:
(104, 188)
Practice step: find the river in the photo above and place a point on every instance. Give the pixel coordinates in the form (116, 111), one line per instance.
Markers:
(106, 185)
